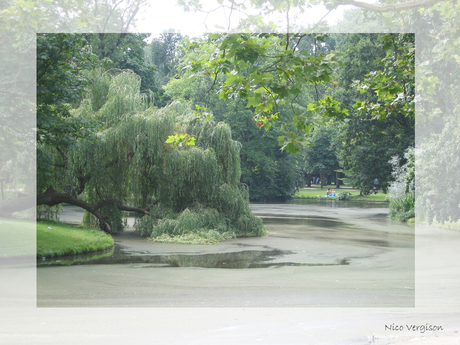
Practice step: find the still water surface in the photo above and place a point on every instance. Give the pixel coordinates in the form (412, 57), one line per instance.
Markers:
(340, 253)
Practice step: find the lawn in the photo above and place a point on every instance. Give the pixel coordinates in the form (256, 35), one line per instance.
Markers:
(60, 239)
(316, 192)
(17, 237)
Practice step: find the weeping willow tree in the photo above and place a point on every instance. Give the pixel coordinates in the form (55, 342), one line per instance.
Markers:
(178, 193)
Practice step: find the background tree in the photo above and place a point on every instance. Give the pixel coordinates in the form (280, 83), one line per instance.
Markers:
(321, 158)
(377, 85)
(164, 52)
(269, 173)
(269, 70)
(127, 51)
(61, 58)
(20, 23)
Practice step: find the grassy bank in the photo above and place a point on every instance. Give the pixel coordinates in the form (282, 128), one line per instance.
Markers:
(17, 237)
(60, 239)
(317, 192)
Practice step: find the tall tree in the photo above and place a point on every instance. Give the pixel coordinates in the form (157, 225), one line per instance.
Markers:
(269, 173)
(124, 165)
(321, 158)
(165, 54)
(20, 23)
(61, 58)
(269, 70)
(132, 162)
(379, 79)
(126, 51)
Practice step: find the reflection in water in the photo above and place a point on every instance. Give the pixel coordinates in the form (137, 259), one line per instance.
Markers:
(240, 259)
(323, 222)
(75, 259)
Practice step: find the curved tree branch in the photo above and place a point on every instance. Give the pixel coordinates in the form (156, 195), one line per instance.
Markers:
(51, 198)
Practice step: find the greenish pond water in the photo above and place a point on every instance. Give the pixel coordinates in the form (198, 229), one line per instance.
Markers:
(302, 219)
(240, 259)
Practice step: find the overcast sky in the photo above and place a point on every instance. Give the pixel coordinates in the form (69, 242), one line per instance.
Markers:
(166, 15)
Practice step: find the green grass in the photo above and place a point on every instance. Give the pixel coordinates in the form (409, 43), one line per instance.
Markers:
(317, 192)
(60, 239)
(17, 237)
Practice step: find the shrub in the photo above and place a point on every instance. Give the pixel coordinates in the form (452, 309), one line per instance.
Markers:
(402, 189)
(402, 208)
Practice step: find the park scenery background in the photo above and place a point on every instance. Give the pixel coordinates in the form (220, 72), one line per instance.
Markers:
(209, 142)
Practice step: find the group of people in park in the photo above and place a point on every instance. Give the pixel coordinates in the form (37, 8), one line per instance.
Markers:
(330, 193)
(333, 193)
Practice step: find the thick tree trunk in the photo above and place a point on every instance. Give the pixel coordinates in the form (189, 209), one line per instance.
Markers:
(51, 198)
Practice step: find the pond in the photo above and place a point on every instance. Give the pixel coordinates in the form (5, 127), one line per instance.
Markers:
(318, 253)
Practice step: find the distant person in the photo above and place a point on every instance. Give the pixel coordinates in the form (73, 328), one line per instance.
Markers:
(376, 185)
(328, 193)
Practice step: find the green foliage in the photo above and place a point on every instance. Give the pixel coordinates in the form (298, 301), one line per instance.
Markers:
(402, 208)
(321, 156)
(60, 85)
(181, 140)
(402, 189)
(164, 52)
(394, 83)
(131, 160)
(344, 196)
(60, 61)
(48, 213)
(373, 132)
(269, 173)
(403, 175)
(127, 51)
(195, 225)
(268, 71)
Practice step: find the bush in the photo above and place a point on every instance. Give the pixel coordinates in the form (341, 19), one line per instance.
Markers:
(402, 189)
(402, 208)
(344, 195)
(199, 224)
